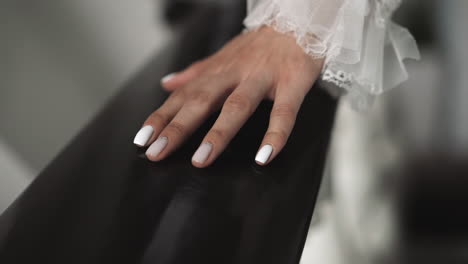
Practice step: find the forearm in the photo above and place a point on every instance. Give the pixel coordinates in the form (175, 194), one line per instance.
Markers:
(363, 49)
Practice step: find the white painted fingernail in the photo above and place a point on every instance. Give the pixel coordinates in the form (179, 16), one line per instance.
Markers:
(168, 77)
(202, 153)
(143, 136)
(157, 147)
(264, 154)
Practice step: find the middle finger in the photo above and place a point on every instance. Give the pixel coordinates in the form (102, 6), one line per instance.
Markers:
(236, 111)
(203, 99)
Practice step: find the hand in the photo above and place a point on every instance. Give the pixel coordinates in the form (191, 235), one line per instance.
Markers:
(257, 65)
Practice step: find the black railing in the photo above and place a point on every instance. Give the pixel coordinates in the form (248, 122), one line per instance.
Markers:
(101, 201)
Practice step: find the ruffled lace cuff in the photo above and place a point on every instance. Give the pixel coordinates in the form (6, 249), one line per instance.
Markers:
(363, 49)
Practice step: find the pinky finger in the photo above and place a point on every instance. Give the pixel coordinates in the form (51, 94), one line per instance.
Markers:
(282, 120)
(176, 80)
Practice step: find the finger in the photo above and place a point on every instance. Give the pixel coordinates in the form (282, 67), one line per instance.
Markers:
(159, 119)
(236, 111)
(205, 100)
(179, 79)
(282, 119)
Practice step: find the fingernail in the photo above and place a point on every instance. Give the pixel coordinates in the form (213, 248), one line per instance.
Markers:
(168, 77)
(143, 136)
(202, 153)
(157, 147)
(264, 154)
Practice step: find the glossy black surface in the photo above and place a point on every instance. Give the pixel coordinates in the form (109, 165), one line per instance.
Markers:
(101, 201)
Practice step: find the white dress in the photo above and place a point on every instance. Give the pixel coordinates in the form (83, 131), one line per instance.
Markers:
(363, 48)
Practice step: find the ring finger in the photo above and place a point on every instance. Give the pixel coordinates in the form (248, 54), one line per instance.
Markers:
(236, 111)
(202, 100)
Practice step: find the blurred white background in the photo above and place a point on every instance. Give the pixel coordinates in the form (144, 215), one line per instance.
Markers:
(59, 62)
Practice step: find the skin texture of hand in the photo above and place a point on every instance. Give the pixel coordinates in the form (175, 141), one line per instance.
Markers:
(254, 66)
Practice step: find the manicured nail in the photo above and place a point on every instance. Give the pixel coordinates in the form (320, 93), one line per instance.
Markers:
(157, 147)
(202, 153)
(143, 136)
(168, 77)
(264, 154)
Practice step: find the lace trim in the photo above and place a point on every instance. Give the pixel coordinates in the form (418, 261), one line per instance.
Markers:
(354, 90)
(311, 43)
(360, 92)
(347, 80)
(320, 42)
(384, 9)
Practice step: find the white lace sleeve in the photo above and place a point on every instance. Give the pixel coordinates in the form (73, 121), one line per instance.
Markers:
(363, 48)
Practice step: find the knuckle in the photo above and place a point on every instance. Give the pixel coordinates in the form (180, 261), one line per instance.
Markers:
(278, 136)
(261, 77)
(238, 103)
(283, 110)
(287, 78)
(179, 95)
(158, 118)
(197, 65)
(176, 128)
(215, 69)
(244, 56)
(216, 135)
(199, 98)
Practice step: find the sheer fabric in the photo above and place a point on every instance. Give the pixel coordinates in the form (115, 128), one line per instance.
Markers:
(363, 48)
